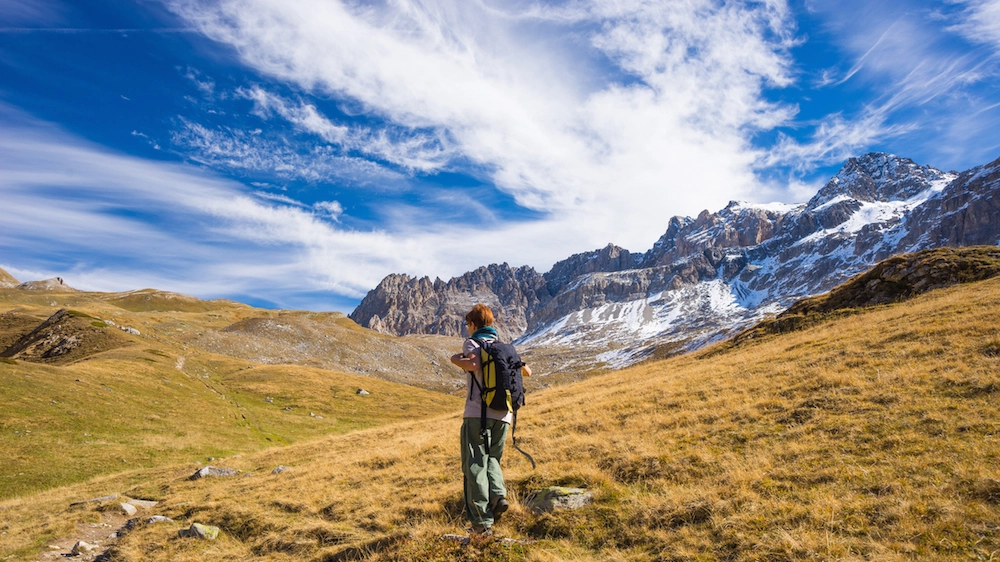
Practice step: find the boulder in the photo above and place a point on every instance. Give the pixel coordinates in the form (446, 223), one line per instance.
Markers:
(280, 469)
(199, 531)
(128, 509)
(82, 548)
(142, 504)
(556, 497)
(211, 471)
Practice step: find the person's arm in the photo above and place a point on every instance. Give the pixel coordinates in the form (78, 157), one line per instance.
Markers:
(526, 371)
(464, 362)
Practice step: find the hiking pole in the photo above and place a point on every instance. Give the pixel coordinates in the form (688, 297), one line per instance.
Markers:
(513, 441)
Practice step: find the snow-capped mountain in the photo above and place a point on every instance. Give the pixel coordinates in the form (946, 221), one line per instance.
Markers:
(710, 276)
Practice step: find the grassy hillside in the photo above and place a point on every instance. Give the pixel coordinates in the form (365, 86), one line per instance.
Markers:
(80, 397)
(868, 436)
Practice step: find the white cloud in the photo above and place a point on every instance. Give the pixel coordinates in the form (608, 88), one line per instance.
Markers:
(120, 223)
(238, 149)
(981, 22)
(922, 85)
(64, 196)
(204, 84)
(833, 141)
(331, 209)
(530, 97)
(412, 150)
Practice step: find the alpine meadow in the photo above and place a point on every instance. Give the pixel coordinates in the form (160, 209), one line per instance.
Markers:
(499, 280)
(866, 432)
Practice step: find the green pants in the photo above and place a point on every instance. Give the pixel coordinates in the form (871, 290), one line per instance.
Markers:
(482, 476)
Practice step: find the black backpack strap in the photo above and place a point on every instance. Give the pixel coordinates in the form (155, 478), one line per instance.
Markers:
(482, 399)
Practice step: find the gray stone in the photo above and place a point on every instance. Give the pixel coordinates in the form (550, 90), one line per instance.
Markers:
(556, 497)
(101, 499)
(211, 471)
(158, 519)
(82, 548)
(143, 504)
(460, 539)
(280, 469)
(128, 509)
(363, 392)
(199, 531)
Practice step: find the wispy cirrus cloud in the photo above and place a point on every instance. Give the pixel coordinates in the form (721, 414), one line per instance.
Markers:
(834, 140)
(980, 22)
(241, 150)
(577, 111)
(112, 222)
(413, 150)
(188, 230)
(921, 84)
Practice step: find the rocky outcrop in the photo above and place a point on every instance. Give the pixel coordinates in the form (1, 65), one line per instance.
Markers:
(739, 225)
(407, 305)
(65, 336)
(608, 259)
(966, 213)
(213, 472)
(894, 280)
(54, 284)
(555, 498)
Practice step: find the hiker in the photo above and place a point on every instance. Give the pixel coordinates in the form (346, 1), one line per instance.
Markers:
(485, 493)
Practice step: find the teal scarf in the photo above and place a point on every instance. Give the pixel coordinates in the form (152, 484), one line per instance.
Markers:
(486, 332)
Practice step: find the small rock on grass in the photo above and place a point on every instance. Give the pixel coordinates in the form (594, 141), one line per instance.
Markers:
(82, 547)
(279, 469)
(128, 509)
(142, 504)
(558, 497)
(101, 499)
(213, 471)
(199, 531)
(460, 539)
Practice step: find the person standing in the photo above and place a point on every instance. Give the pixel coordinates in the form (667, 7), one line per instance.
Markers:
(484, 489)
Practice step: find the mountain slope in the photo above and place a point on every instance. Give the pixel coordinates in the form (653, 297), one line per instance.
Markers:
(7, 280)
(869, 436)
(711, 276)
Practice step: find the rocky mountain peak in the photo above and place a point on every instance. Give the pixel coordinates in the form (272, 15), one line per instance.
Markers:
(608, 259)
(877, 176)
(707, 276)
(408, 305)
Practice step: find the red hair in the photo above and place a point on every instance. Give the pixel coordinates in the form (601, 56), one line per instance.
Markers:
(480, 316)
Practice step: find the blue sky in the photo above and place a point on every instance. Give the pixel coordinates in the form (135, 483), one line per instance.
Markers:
(290, 154)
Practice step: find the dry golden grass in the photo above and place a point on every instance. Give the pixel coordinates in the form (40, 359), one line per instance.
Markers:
(870, 437)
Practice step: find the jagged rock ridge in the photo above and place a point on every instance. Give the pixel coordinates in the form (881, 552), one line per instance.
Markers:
(710, 276)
